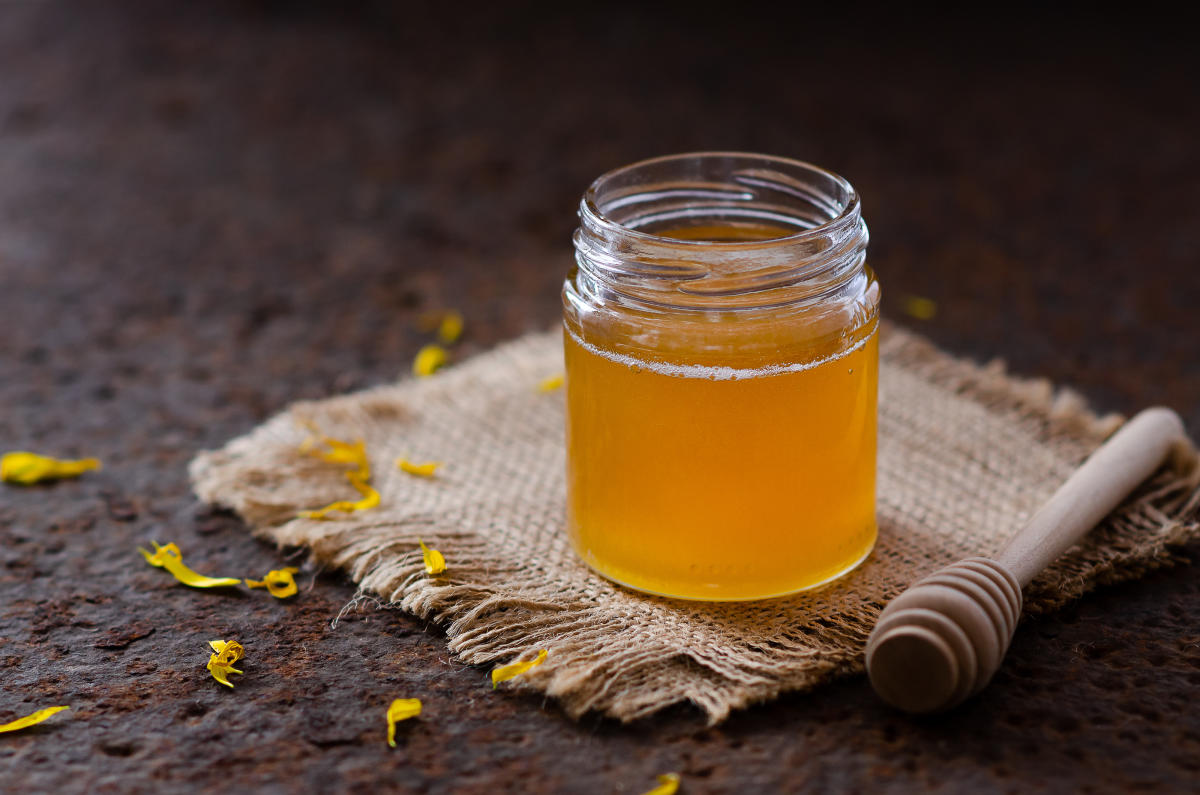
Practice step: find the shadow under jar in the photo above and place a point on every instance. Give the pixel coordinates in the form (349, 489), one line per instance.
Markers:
(722, 367)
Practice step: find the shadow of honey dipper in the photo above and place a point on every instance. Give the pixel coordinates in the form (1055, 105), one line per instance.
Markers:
(940, 642)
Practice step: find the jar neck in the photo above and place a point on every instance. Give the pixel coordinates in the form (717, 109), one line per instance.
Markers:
(720, 231)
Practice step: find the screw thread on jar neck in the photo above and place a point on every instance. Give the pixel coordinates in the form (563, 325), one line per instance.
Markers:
(797, 232)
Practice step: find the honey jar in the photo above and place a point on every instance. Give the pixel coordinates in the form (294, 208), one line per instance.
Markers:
(721, 343)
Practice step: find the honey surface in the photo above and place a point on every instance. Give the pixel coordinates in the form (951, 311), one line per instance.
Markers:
(722, 483)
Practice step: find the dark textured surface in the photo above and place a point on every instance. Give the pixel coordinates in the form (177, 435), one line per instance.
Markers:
(205, 214)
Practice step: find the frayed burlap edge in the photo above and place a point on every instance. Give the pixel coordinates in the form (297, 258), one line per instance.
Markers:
(1138, 537)
(587, 671)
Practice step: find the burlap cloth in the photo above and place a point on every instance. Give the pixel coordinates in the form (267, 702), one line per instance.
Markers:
(966, 454)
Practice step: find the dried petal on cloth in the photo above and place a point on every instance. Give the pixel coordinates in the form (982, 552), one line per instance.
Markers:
(668, 784)
(280, 583)
(426, 469)
(506, 672)
(551, 383)
(956, 440)
(170, 558)
(28, 468)
(370, 500)
(435, 563)
(31, 719)
(339, 452)
(401, 709)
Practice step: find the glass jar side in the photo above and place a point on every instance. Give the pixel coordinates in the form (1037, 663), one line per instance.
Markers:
(721, 393)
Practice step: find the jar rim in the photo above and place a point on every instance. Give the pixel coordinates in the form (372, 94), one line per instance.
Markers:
(849, 210)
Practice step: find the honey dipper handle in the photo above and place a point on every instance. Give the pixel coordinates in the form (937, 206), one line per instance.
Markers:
(1107, 477)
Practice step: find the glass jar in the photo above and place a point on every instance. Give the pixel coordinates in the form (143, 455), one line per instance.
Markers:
(722, 353)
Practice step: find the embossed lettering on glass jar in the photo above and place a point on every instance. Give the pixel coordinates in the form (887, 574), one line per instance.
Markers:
(722, 366)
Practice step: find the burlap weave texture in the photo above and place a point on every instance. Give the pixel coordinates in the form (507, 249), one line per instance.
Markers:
(966, 455)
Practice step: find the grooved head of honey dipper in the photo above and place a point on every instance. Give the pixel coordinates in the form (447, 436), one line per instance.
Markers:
(912, 668)
(940, 641)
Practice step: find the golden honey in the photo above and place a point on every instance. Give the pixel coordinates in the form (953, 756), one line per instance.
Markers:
(721, 387)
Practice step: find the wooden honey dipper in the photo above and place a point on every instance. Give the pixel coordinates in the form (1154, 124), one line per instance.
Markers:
(941, 641)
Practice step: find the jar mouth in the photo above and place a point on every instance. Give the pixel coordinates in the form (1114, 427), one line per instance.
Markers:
(786, 175)
(789, 231)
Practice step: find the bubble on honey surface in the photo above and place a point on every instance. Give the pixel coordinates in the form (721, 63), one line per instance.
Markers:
(713, 373)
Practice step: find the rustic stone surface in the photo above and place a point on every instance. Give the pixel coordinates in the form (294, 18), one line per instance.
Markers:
(207, 213)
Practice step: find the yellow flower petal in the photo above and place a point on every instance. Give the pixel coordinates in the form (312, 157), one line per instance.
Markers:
(668, 784)
(30, 720)
(506, 672)
(370, 500)
(424, 470)
(170, 558)
(221, 673)
(346, 453)
(27, 468)
(340, 452)
(918, 307)
(451, 327)
(429, 359)
(401, 709)
(552, 383)
(220, 662)
(279, 582)
(434, 562)
(228, 651)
